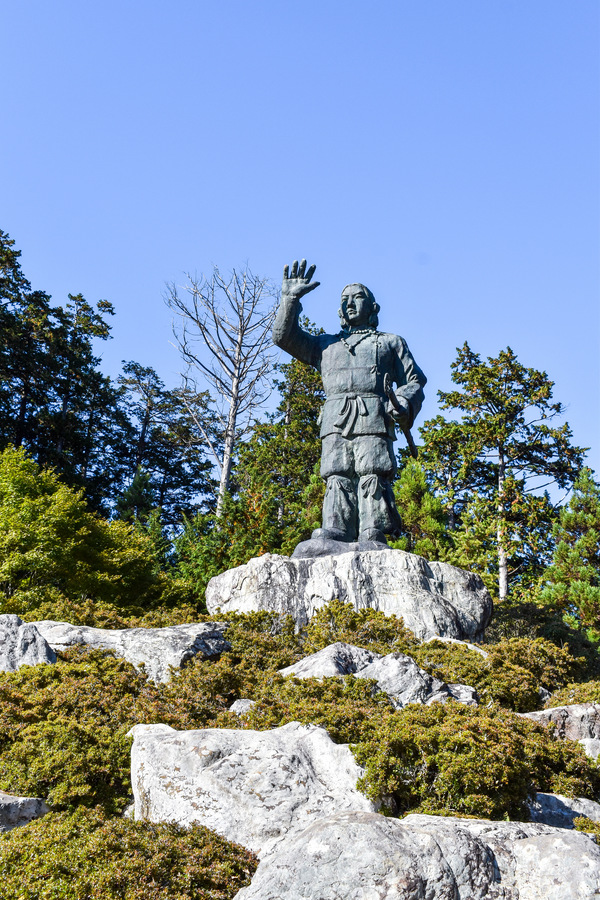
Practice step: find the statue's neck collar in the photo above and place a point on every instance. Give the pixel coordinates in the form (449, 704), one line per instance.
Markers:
(365, 329)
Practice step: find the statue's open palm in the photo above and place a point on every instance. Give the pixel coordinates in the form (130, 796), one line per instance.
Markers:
(297, 283)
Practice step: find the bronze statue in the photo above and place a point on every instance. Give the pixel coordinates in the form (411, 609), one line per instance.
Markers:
(359, 367)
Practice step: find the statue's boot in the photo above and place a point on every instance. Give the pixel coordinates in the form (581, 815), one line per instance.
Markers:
(377, 512)
(339, 510)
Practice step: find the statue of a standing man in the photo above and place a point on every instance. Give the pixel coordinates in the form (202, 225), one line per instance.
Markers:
(359, 367)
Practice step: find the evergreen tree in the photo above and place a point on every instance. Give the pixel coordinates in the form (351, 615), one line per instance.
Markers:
(275, 465)
(164, 442)
(574, 576)
(504, 449)
(424, 526)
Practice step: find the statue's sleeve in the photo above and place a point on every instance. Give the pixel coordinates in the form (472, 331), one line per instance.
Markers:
(409, 378)
(288, 334)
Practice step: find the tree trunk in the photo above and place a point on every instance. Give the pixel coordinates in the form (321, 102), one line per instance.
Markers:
(230, 430)
(501, 531)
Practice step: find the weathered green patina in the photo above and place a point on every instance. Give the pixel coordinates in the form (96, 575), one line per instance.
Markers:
(359, 367)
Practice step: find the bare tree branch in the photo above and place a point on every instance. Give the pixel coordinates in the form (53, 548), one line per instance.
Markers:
(222, 329)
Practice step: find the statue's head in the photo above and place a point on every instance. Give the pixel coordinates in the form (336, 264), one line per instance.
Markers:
(359, 308)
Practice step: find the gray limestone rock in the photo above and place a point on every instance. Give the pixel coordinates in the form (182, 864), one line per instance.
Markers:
(253, 787)
(156, 648)
(531, 861)
(434, 599)
(579, 721)
(336, 659)
(21, 644)
(241, 707)
(354, 856)
(591, 747)
(364, 856)
(396, 674)
(17, 811)
(559, 811)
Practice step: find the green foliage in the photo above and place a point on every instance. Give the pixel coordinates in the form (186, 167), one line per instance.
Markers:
(53, 549)
(511, 675)
(63, 729)
(488, 465)
(582, 823)
(275, 465)
(367, 628)
(70, 856)
(586, 692)
(351, 709)
(457, 760)
(574, 576)
(422, 514)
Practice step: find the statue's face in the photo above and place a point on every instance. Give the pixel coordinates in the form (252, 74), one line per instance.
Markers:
(356, 306)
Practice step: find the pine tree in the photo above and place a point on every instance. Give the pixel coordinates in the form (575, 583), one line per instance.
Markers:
(504, 449)
(424, 523)
(574, 576)
(275, 466)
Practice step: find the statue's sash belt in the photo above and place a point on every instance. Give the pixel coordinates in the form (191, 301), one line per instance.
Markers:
(353, 409)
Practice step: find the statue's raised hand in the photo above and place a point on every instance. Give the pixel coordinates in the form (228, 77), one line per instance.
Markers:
(296, 283)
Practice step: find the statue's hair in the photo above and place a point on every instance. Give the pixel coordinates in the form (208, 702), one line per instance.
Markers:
(375, 307)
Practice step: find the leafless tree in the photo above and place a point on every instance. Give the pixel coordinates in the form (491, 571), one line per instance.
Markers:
(222, 329)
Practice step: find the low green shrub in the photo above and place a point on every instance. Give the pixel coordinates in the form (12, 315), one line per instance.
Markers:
(458, 760)
(368, 628)
(588, 692)
(349, 708)
(511, 675)
(63, 728)
(72, 856)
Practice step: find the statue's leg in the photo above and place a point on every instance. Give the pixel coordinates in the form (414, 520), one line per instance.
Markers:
(375, 464)
(340, 504)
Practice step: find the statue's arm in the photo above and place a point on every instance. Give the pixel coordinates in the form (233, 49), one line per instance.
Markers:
(287, 332)
(410, 380)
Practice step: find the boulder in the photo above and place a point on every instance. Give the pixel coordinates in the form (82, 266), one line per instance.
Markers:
(365, 856)
(21, 644)
(241, 707)
(253, 787)
(17, 811)
(531, 861)
(396, 674)
(591, 746)
(156, 648)
(577, 722)
(434, 599)
(561, 812)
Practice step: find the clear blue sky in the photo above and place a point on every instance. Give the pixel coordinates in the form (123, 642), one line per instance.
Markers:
(444, 152)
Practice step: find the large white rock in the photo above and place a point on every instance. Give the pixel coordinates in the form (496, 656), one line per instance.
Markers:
(559, 811)
(578, 721)
(21, 644)
(17, 811)
(432, 598)
(396, 674)
(253, 787)
(156, 648)
(364, 856)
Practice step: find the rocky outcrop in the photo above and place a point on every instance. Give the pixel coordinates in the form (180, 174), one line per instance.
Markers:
(579, 721)
(433, 598)
(157, 649)
(17, 811)
(253, 787)
(364, 856)
(21, 644)
(396, 674)
(561, 812)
